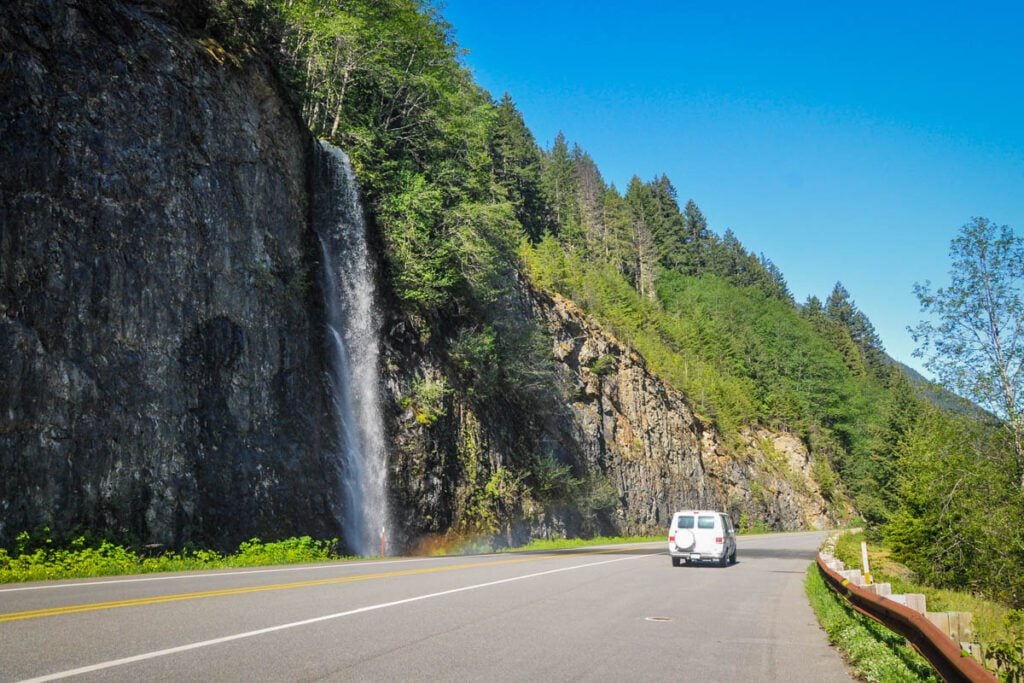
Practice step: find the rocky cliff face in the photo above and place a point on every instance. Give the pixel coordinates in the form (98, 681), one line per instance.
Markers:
(645, 436)
(607, 448)
(160, 346)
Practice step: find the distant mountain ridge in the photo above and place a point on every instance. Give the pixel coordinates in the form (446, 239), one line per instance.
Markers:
(939, 396)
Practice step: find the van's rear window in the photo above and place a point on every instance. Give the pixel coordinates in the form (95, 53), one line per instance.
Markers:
(706, 522)
(684, 522)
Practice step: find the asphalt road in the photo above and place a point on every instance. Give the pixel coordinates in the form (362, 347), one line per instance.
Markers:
(611, 613)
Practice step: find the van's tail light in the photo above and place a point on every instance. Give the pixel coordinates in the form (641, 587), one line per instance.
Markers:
(718, 540)
(672, 538)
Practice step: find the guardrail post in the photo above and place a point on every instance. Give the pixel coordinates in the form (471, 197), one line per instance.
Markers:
(864, 558)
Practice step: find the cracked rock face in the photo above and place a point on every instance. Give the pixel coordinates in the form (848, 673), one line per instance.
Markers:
(646, 438)
(612, 420)
(159, 327)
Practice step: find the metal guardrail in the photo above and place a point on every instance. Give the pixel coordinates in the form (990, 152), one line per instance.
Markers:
(928, 639)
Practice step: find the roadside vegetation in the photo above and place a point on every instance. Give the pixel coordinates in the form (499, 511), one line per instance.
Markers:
(999, 628)
(40, 558)
(873, 652)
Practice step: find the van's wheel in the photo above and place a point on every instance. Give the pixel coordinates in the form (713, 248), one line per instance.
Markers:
(732, 558)
(676, 561)
(724, 560)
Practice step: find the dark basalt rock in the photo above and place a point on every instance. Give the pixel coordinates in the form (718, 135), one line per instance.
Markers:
(160, 345)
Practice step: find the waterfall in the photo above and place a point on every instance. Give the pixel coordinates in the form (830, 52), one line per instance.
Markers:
(352, 346)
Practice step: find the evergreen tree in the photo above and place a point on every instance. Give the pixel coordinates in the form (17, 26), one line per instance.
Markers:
(618, 243)
(558, 181)
(839, 308)
(695, 223)
(813, 308)
(843, 311)
(773, 282)
(698, 239)
(667, 226)
(516, 161)
(590, 190)
(901, 410)
(640, 208)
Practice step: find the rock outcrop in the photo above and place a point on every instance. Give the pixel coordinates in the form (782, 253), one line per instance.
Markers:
(622, 449)
(160, 345)
(646, 437)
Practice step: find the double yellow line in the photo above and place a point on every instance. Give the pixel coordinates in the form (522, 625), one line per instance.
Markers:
(199, 595)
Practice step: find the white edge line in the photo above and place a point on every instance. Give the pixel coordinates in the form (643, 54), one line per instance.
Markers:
(270, 629)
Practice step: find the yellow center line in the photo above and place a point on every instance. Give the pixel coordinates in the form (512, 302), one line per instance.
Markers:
(178, 597)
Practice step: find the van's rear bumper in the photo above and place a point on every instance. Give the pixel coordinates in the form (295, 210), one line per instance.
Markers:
(697, 557)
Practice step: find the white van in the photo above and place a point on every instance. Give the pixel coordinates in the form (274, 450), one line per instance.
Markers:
(702, 535)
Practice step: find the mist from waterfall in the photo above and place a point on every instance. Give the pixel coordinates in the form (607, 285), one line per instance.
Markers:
(352, 346)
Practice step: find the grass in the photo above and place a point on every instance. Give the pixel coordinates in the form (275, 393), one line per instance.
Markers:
(44, 560)
(874, 652)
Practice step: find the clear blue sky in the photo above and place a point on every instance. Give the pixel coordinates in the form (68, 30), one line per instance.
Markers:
(846, 141)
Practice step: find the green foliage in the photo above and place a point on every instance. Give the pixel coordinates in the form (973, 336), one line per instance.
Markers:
(492, 506)
(37, 558)
(238, 25)
(874, 652)
(604, 366)
(826, 478)
(743, 356)
(1008, 651)
(460, 194)
(517, 168)
(255, 552)
(487, 234)
(841, 310)
(422, 266)
(727, 259)
(427, 400)
(552, 480)
(475, 356)
(954, 497)
(900, 411)
(559, 185)
(976, 346)
(958, 520)
(757, 526)
(449, 177)
(998, 629)
(592, 495)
